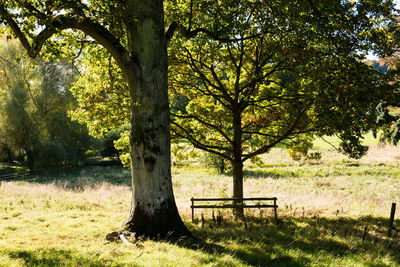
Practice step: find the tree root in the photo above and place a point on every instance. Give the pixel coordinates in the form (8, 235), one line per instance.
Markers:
(113, 236)
(122, 235)
(116, 236)
(124, 240)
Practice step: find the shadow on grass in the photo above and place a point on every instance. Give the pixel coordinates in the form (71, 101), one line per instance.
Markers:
(290, 241)
(272, 173)
(300, 241)
(81, 178)
(254, 256)
(53, 257)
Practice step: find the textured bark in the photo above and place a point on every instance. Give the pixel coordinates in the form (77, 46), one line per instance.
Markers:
(153, 213)
(237, 171)
(237, 163)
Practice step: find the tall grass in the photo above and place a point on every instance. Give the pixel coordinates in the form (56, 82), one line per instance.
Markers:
(333, 212)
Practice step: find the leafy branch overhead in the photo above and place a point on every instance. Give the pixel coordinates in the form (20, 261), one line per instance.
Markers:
(53, 24)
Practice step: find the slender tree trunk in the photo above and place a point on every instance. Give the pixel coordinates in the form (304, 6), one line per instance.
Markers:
(30, 158)
(222, 166)
(237, 163)
(237, 171)
(153, 212)
(118, 156)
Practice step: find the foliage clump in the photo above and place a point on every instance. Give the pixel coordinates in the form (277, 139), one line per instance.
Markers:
(35, 100)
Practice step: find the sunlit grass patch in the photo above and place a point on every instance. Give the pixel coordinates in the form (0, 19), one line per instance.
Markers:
(327, 141)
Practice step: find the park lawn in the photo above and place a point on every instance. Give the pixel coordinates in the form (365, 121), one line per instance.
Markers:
(332, 212)
(333, 141)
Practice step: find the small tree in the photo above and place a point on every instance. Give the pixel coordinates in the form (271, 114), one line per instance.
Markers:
(282, 69)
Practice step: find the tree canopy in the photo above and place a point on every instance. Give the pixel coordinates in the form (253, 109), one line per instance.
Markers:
(387, 111)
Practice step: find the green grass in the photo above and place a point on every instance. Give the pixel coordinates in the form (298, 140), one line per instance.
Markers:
(327, 141)
(331, 213)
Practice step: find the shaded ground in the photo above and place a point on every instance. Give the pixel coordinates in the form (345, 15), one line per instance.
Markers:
(79, 178)
(256, 242)
(300, 241)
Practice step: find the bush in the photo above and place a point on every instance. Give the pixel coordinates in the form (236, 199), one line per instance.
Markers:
(298, 149)
(182, 151)
(122, 144)
(210, 160)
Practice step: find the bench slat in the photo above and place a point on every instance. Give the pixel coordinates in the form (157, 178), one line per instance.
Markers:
(232, 206)
(232, 199)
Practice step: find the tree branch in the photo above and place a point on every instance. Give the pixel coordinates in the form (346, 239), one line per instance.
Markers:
(278, 140)
(189, 34)
(219, 87)
(196, 143)
(193, 33)
(62, 22)
(206, 91)
(210, 125)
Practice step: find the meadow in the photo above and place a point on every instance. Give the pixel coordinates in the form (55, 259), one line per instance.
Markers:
(332, 212)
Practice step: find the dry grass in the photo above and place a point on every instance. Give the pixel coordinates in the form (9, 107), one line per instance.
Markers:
(335, 185)
(324, 207)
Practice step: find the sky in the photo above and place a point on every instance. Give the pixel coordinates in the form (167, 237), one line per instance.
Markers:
(370, 56)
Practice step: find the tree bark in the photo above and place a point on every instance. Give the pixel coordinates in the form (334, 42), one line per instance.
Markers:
(237, 171)
(153, 212)
(30, 158)
(222, 166)
(237, 163)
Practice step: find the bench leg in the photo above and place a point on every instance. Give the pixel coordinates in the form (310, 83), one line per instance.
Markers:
(192, 210)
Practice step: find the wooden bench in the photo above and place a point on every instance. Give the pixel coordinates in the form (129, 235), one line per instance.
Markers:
(232, 205)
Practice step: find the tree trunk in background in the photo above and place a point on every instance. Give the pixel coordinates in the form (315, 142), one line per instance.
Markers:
(153, 212)
(237, 163)
(222, 166)
(237, 171)
(30, 159)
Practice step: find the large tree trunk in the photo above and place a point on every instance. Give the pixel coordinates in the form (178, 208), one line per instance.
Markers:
(153, 213)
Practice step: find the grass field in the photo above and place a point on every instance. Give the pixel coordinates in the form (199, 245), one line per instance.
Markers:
(329, 141)
(332, 212)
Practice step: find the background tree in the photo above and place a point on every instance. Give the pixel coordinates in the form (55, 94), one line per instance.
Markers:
(279, 70)
(34, 119)
(388, 111)
(103, 98)
(101, 92)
